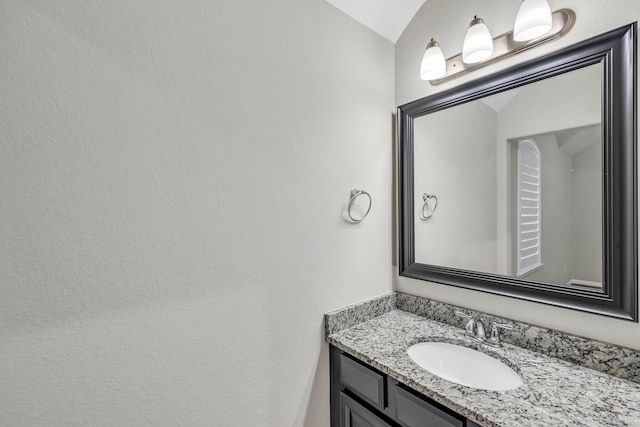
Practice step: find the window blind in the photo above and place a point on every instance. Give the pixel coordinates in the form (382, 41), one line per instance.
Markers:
(529, 207)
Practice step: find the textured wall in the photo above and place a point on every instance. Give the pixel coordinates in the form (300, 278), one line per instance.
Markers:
(457, 164)
(447, 20)
(172, 184)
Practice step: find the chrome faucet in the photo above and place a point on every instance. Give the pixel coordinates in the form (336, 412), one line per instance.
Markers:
(470, 326)
(475, 329)
(494, 338)
(480, 334)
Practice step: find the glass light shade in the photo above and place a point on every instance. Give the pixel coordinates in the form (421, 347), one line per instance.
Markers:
(533, 20)
(478, 43)
(433, 64)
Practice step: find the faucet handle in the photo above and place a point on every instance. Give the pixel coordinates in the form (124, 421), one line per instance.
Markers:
(470, 324)
(463, 314)
(494, 339)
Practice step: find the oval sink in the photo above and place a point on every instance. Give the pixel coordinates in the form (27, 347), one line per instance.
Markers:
(464, 366)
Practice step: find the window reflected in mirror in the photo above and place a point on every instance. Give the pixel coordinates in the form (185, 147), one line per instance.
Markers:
(556, 207)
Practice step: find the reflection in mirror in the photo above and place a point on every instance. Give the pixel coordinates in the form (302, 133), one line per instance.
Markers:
(518, 176)
(556, 207)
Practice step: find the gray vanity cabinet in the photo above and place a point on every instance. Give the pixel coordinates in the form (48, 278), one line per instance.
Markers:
(353, 414)
(362, 396)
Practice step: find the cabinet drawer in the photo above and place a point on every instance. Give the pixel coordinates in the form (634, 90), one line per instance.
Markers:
(412, 411)
(364, 381)
(353, 414)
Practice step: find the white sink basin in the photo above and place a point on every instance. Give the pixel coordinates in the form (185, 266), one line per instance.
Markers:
(464, 366)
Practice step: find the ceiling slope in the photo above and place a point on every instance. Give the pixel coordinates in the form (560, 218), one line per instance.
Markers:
(388, 18)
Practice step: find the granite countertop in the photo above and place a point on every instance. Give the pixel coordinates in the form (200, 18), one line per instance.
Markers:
(555, 392)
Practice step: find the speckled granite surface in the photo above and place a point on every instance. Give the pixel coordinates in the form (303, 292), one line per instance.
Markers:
(555, 392)
(608, 358)
(349, 316)
(612, 359)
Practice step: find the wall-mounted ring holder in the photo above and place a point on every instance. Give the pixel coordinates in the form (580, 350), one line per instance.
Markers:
(353, 196)
(428, 209)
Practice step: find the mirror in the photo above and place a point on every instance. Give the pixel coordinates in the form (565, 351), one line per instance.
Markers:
(552, 141)
(523, 183)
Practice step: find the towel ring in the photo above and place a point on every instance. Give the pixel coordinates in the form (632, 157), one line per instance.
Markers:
(354, 195)
(424, 212)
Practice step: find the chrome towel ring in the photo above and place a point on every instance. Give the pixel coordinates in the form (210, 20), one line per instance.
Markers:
(354, 195)
(427, 211)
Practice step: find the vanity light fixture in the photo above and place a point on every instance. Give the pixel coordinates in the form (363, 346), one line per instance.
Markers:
(535, 25)
(478, 43)
(433, 64)
(533, 20)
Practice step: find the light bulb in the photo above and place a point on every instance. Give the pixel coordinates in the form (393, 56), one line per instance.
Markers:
(533, 20)
(433, 64)
(478, 44)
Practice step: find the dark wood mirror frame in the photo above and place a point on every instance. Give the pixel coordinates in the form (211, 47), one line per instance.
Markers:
(616, 51)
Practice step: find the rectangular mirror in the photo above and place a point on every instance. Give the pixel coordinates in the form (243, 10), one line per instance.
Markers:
(524, 183)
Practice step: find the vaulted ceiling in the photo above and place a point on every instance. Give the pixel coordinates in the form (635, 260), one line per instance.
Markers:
(388, 18)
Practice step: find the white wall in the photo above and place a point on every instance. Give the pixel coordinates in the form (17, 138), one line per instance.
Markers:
(447, 20)
(172, 184)
(455, 156)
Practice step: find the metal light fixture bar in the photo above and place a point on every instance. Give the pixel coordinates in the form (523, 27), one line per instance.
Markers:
(504, 46)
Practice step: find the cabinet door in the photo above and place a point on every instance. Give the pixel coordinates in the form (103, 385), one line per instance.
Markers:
(412, 411)
(353, 414)
(363, 381)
